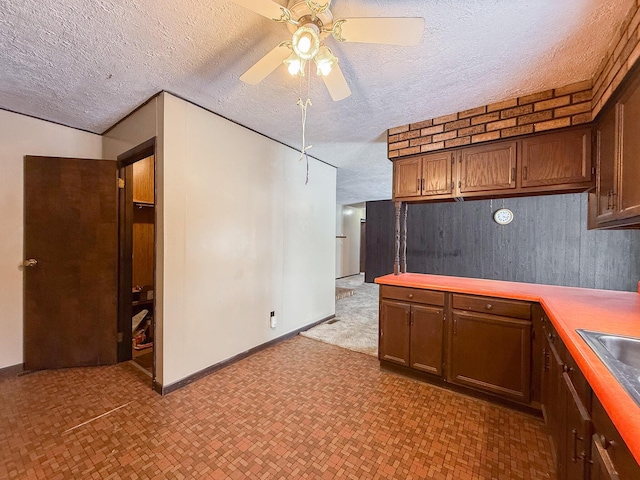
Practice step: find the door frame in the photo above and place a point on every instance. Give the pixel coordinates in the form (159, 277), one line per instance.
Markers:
(125, 248)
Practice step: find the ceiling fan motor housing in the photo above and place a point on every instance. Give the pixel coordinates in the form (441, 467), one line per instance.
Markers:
(301, 13)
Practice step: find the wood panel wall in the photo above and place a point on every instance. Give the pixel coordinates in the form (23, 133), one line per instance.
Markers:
(548, 242)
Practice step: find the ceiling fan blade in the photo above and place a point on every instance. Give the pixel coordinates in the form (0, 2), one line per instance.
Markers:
(266, 8)
(390, 31)
(337, 84)
(267, 64)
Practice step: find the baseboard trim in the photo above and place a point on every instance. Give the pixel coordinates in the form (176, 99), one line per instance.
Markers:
(166, 389)
(11, 371)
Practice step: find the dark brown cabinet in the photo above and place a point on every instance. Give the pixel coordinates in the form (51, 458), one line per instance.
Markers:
(606, 188)
(556, 162)
(556, 159)
(627, 202)
(412, 328)
(617, 158)
(491, 352)
(426, 176)
(427, 333)
(610, 456)
(394, 334)
(565, 407)
(488, 167)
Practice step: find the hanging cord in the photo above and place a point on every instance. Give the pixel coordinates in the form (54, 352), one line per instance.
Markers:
(303, 110)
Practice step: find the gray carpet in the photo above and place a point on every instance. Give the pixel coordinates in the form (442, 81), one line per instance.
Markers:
(355, 326)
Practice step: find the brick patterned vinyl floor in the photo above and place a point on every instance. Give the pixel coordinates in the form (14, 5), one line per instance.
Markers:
(302, 409)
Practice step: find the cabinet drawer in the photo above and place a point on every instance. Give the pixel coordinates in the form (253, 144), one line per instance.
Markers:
(414, 295)
(494, 306)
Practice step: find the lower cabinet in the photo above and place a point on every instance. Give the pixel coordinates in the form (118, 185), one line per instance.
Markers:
(491, 353)
(451, 336)
(412, 328)
(489, 344)
(394, 333)
(585, 443)
(564, 409)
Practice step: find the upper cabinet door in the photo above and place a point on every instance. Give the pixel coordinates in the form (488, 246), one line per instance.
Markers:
(628, 201)
(489, 167)
(436, 174)
(557, 158)
(143, 184)
(407, 180)
(606, 165)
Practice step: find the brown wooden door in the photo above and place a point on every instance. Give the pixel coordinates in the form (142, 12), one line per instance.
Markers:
(628, 201)
(602, 468)
(557, 159)
(70, 294)
(492, 353)
(555, 401)
(577, 433)
(407, 181)
(436, 174)
(394, 332)
(606, 165)
(427, 336)
(488, 167)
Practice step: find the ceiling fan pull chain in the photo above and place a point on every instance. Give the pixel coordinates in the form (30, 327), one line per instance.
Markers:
(303, 151)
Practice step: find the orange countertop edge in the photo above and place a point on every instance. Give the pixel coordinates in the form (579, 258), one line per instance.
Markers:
(569, 308)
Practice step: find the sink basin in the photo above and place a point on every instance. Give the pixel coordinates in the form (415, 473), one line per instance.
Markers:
(621, 355)
(623, 349)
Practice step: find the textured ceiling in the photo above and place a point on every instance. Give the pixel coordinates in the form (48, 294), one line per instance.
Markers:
(87, 64)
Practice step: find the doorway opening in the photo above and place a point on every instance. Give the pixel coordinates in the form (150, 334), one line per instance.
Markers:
(137, 255)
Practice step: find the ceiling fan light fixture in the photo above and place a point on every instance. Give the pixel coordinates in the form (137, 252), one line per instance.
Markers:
(306, 41)
(295, 65)
(325, 61)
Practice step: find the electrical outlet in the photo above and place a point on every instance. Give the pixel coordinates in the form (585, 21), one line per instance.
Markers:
(272, 320)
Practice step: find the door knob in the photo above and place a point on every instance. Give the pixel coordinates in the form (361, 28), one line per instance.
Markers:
(31, 262)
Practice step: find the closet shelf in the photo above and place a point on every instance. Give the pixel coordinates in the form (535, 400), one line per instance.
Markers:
(143, 204)
(142, 302)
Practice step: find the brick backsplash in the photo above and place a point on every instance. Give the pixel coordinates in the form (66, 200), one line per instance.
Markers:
(573, 104)
(557, 108)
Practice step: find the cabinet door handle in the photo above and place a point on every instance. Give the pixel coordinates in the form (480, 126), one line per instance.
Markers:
(513, 175)
(410, 295)
(422, 183)
(524, 173)
(418, 185)
(455, 326)
(575, 457)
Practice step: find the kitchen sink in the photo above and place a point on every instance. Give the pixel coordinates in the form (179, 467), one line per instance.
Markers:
(621, 355)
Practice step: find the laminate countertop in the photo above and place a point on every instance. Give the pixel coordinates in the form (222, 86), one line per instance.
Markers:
(568, 308)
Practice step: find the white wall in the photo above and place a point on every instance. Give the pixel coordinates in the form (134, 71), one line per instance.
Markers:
(348, 249)
(19, 136)
(242, 236)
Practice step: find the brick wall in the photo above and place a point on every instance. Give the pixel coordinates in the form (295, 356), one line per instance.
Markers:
(621, 56)
(556, 108)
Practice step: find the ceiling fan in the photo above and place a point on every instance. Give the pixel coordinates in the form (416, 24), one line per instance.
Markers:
(310, 24)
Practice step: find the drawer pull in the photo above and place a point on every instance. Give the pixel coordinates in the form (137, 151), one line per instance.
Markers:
(410, 295)
(489, 306)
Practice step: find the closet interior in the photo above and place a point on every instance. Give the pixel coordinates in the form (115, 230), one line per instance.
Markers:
(142, 230)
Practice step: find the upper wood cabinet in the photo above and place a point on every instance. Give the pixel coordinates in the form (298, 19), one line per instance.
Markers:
(436, 174)
(425, 176)
(557, 162)
(407, 178)
(606, 161)
(617, 157)
(557, 158)
(628, 202)
(488, 167)
(143, 184)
